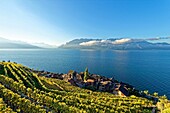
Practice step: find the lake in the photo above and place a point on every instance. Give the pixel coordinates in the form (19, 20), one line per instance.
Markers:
(144, 69)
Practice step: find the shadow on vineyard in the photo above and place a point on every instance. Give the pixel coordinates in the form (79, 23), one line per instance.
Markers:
(23, 91)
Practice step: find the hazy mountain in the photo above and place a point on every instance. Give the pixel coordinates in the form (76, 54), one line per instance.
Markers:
(115, 44)
(10, 44)
(44, 45)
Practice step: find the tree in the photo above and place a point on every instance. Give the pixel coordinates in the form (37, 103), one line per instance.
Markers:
(155, 94)
(86, 74)
(146, 92)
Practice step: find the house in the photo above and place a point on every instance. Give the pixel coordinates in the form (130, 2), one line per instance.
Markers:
(72, 82)
(80, 84)
(49, 75)
(127, 85)
(57, 76)
(121, 90)
(104, 85)
(66, 77)
(79, 77)
(116, 88)
(90, 82)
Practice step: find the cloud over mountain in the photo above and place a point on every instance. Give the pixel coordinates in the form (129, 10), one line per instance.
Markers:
(116, 44)
(97, 42)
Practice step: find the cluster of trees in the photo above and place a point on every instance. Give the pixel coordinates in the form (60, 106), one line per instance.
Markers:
(53, 95)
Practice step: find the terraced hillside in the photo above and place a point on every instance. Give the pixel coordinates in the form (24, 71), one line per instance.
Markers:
(24, 92)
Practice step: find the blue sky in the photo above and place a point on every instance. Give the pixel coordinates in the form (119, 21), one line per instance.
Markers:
(59, 21)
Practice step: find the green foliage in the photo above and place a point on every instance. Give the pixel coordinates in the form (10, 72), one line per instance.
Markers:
(24, 91)
(163, 104)
(146, 92)
(167, 110)
(155, 94)
(4, 108)
(86, 74)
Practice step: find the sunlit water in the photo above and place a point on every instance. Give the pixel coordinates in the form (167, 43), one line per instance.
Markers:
(144, 69)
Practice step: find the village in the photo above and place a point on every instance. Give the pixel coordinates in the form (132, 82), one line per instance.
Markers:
(99, 83)
(93, 82)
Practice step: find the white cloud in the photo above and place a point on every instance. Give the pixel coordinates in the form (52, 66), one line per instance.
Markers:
(106, 41)
(95, 42)
(89, 43)
(121, 41)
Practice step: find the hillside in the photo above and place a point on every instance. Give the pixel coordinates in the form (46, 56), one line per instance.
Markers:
(10, 44)
(21, 90)
(114, 44)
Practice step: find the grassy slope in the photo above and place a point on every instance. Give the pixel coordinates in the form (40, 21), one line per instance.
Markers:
(53, 95)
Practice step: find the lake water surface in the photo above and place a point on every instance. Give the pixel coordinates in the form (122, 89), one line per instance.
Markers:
(144, 69)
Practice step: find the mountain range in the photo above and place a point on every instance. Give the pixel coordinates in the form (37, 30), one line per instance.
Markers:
(115, 44)
(11, 44)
